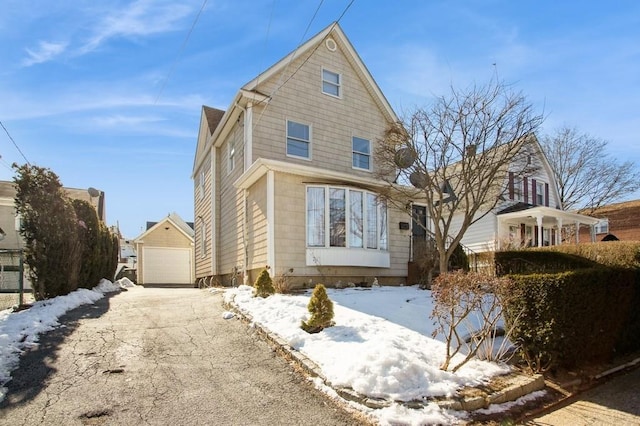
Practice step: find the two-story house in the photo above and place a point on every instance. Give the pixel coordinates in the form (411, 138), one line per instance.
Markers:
(285, 177)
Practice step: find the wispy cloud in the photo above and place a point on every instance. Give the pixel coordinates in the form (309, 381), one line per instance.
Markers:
(141, 18)
(45, 52)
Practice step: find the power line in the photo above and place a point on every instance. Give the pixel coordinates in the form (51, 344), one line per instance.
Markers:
(278, 85)
(14, 143)
(182, 47)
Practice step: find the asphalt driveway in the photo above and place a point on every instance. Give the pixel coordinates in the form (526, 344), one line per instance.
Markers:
(161, 356)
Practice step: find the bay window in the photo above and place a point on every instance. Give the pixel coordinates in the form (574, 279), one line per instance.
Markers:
(352, 218)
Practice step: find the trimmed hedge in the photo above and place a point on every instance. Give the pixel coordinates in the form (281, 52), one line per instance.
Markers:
(536, 261)
(623, 254)
(573, 318)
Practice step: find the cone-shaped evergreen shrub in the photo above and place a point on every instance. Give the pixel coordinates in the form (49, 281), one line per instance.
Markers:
(263, 286)
(321, 309)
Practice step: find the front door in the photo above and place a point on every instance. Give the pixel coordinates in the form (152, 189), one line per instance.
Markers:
(418, 230)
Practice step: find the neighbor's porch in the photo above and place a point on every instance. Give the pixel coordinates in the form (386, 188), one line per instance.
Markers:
(525, 225)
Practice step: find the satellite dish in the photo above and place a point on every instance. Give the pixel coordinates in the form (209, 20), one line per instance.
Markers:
(93, 192)
(405, 157)
(419, 180)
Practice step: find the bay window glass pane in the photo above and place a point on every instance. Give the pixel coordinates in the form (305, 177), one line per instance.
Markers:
(372, 221)
(315, 217)
(337, 225)
(355, 219)
(383, 226)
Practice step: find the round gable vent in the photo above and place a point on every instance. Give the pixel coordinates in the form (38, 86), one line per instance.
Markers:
(331, 44)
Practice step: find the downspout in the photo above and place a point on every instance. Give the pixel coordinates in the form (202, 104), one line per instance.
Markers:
(248, 135)
(245, 237)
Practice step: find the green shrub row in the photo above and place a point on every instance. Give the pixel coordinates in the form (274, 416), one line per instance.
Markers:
(66, 246)
(574, 318)
(623, 254)
(538, 261)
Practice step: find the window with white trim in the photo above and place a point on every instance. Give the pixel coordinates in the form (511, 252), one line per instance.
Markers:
(539, 193)
(602, 227)
(518, 188)
(231, 156)
(359, 223)
(298, 140)
(201, 185)
(361, 153)
(331, 83)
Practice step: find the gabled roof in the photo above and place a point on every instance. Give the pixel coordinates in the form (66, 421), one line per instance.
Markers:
(249, 92)
(213, 116)
(173, 219)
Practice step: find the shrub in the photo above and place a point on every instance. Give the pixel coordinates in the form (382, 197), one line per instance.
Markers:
(570, 319)
(622, 254)
(282, 282)
(50, 230)
(467, 308)
(263, 286)
(321, 309)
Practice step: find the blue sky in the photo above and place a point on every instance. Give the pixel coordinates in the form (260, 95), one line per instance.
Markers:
(108, 94)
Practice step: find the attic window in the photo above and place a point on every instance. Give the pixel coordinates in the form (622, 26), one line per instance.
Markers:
(331, 83)
(331, 44)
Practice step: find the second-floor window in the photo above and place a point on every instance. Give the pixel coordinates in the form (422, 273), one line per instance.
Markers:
(298, 140)
(361, 153)
(331, 83)
(201, 185)
(539, 193)
(232, 156)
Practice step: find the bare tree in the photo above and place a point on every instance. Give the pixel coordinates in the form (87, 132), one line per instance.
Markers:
(454, 157)
(587, 176)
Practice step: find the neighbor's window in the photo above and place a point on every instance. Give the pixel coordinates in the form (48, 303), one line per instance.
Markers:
(602, 227)
(361, 153)
(363, 218)
(518, 193)
(298, 140)
(331, 83)
(539, 193)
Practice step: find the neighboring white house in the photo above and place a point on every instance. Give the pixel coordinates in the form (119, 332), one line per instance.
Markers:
(165, 252)
(285, 177)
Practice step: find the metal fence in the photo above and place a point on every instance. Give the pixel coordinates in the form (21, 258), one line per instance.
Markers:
(12, 286)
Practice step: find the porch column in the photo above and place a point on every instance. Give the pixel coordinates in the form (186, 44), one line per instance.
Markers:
(559, 233)
(577, 232)
(539, 220)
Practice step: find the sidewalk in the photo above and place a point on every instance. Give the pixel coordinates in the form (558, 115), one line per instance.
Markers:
(615, 402)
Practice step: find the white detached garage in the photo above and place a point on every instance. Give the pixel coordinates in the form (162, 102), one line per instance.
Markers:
(165, 252)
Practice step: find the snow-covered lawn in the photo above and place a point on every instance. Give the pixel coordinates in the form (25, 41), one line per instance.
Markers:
(380, 346)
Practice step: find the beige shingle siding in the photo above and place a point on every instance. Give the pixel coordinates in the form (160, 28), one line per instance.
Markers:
(257, 225)
(167, 235)
(290, 227)
(231, 205)
(203, 210)
(333, 121)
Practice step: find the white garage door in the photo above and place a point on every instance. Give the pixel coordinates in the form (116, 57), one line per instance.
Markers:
(166, 265)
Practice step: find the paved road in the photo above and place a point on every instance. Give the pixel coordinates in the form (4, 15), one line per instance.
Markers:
(616, 402)
(160, 356)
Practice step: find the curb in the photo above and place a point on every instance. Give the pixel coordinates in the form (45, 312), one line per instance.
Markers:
(518, 385)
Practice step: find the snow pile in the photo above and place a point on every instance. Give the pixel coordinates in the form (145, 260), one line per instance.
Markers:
(371, 355)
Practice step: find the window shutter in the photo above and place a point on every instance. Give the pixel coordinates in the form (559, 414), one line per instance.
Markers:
(534, 191)
(546, 194)
(525, 184)
(511, 189)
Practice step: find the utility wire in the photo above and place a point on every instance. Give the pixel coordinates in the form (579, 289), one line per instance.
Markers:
(14, 143)
(182, 47)
(279, 86)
